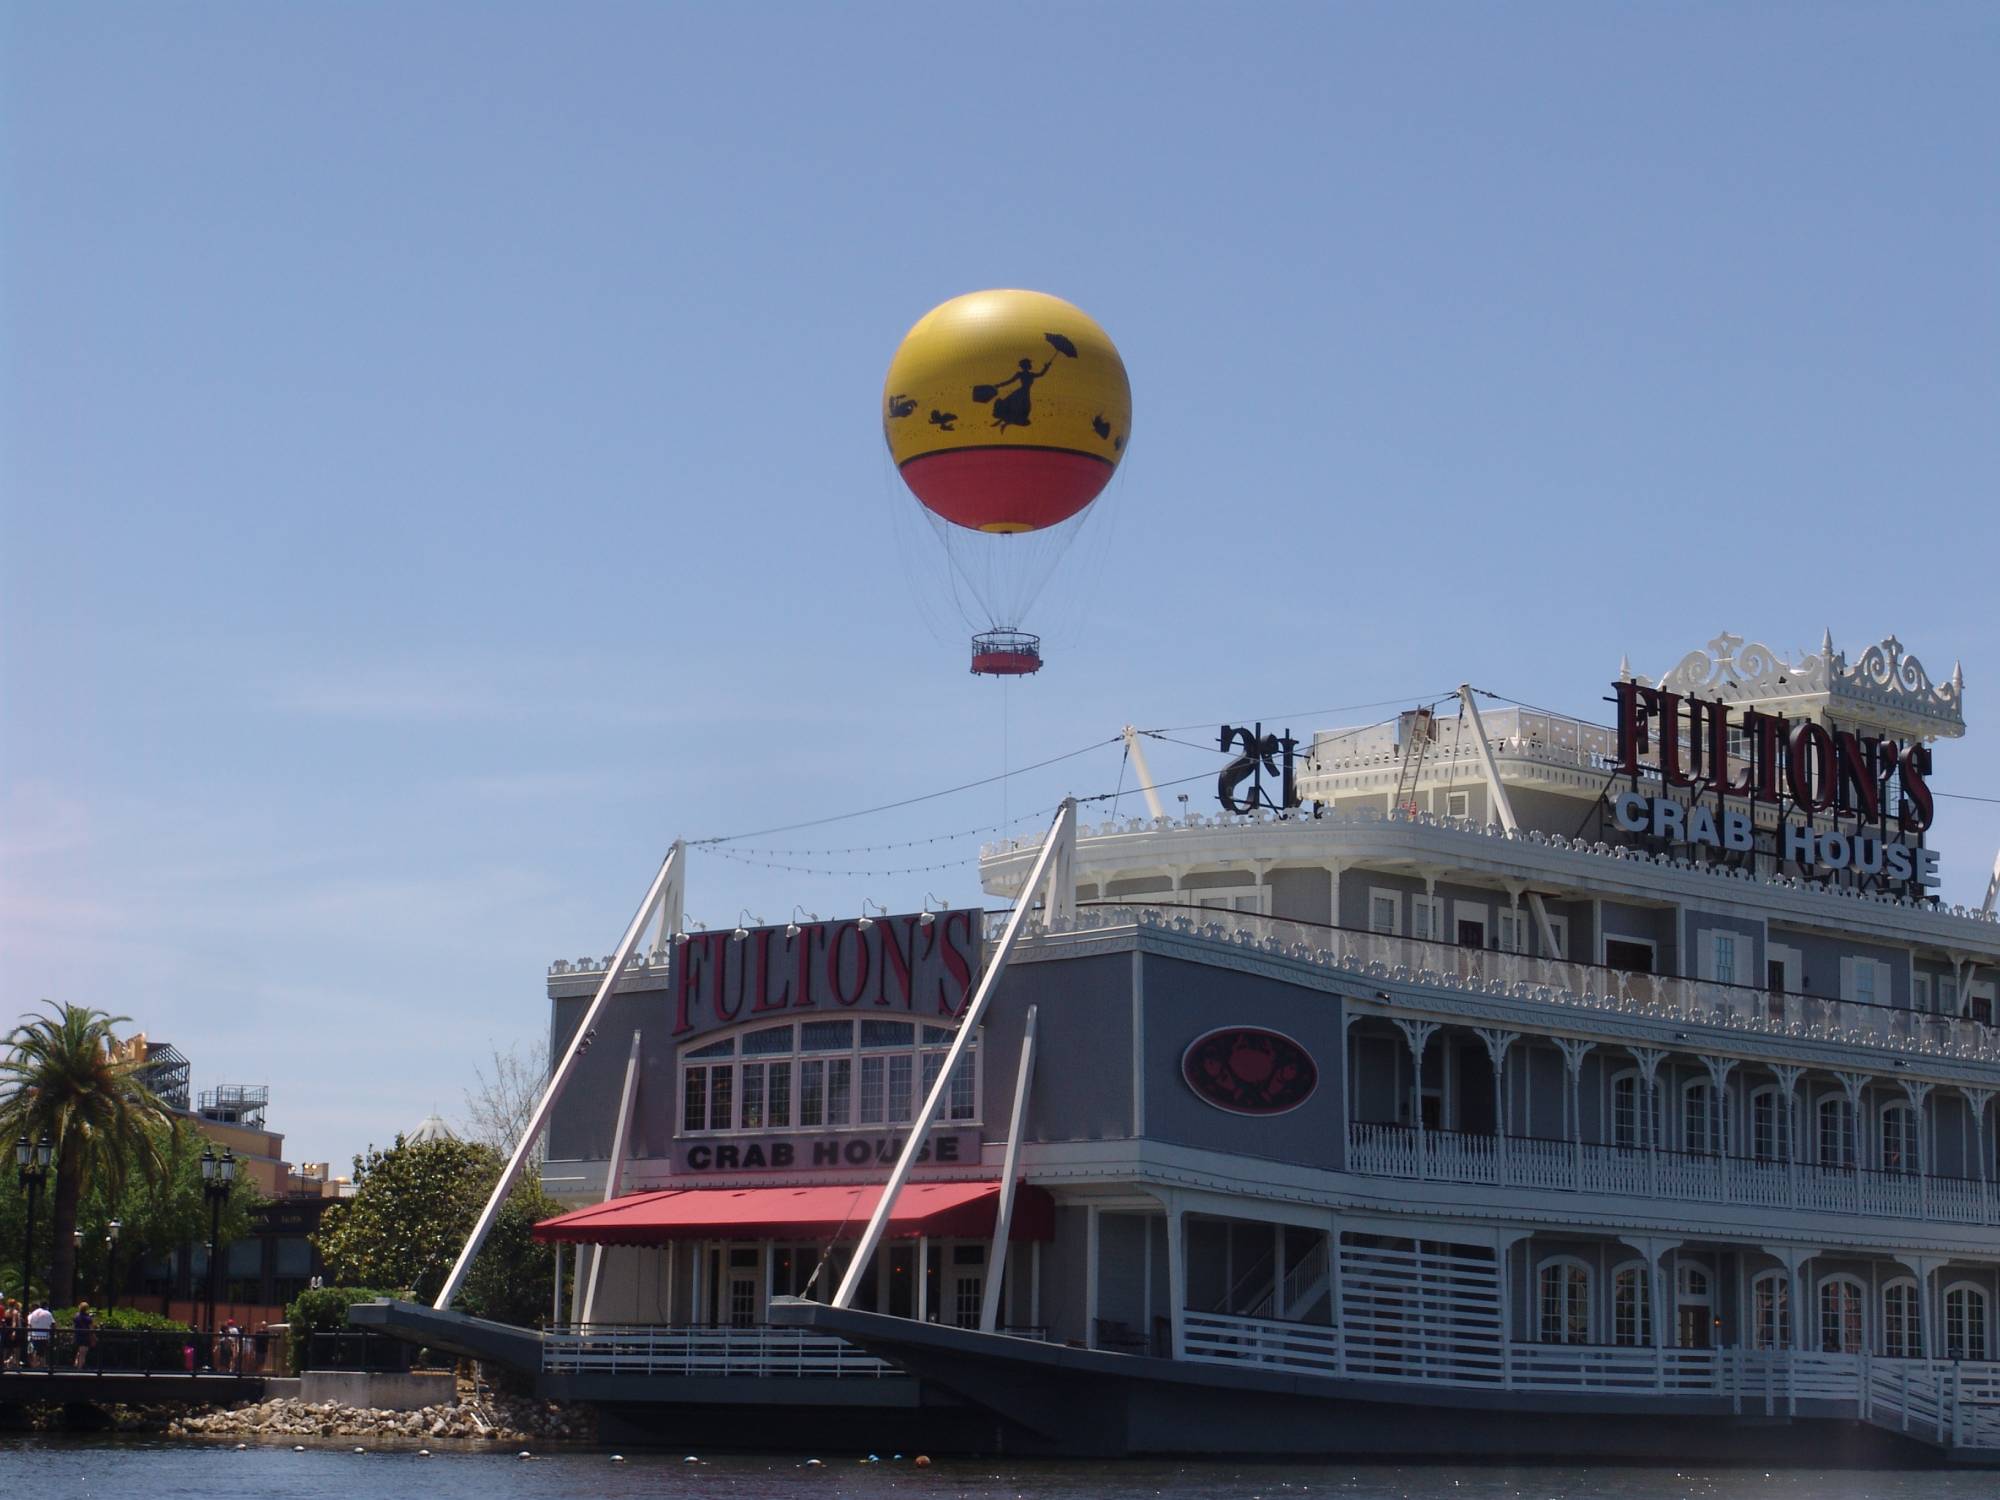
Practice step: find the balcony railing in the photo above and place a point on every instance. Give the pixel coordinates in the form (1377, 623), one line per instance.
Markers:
(1955, 1403)
(643, 1349)
(1559, 982)
(1379, 1150)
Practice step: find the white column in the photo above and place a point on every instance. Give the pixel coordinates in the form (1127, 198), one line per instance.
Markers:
(1788, 1078)
(1278, 1271)
(1418, 1035)
(1978, 1099)
(555, 1312)
(1497, 1042)
(1574, 1050)
(1090, 1277)
(1177, 1274)
(1648, 1060)
(923, 1278)
(1719, 1069)
(1919, 1095)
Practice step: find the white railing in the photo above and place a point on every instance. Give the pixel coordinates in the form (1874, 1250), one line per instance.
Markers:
(643, 1349)
(1379, 1150)
(1521, 976)
(1952, 1403)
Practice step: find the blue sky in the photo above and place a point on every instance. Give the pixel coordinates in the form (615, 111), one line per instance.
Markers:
(440, 460)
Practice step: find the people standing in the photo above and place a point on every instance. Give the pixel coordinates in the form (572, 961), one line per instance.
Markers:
(11, 1334)
(41, 1325)
(83, 1329)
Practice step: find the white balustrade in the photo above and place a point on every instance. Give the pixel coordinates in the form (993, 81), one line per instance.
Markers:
(644, 1349)
(1953, 1403)
(1381, 1150)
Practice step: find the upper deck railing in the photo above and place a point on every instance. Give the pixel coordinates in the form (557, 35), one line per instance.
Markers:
(1223, 824)
(1559, 982)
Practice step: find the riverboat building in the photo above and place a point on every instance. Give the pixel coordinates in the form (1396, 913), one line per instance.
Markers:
(1482, 1081)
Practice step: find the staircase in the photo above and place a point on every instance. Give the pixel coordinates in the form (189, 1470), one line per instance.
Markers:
(1417, 728)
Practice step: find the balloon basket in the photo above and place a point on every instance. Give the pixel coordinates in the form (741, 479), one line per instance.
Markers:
(1006, 653)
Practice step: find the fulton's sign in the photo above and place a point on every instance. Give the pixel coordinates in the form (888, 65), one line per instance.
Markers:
(921, 964)
(1800, 766)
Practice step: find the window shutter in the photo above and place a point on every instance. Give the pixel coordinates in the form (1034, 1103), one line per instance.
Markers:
(1745, 973)
(1847, 979)
(1704, 944)
(1885, 990)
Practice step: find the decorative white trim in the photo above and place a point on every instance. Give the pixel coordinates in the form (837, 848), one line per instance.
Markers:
(1885, 686)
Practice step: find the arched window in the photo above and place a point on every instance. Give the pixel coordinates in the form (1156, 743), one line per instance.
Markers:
(1771, 1310)
(1770, 1125)
(1902, 1330)
(1627, 1110)
(1841, 1326)
(1701, 1127)
(1964, 1322)
(1563, 1300)
(1631, 1305)
(823, 1075)
(1836, 1131)
(1899, 1138)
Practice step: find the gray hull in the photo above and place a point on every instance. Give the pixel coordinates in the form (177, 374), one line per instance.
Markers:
(1051, 1399)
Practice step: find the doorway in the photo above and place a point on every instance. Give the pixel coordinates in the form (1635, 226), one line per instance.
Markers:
(1634, 955)
(1694, 1305)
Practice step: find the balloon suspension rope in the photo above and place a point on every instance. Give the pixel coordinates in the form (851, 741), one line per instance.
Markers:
(1005, 703)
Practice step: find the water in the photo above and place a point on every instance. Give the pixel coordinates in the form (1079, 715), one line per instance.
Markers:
(146, 1469)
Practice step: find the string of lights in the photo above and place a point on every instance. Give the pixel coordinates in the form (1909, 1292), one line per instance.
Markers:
(742, 858)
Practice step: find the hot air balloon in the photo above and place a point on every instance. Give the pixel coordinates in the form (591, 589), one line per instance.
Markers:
(1006, 414)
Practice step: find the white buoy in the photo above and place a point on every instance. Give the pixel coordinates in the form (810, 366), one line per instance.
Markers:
(618, 1458)
(423, 1453)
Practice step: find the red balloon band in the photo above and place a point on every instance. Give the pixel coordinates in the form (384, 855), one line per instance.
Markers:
(1008, 487)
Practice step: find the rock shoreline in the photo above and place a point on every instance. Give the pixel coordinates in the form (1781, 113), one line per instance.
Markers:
(498, 1419)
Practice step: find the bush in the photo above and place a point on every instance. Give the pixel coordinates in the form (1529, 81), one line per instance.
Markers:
(324, 1310)
(124, 1320)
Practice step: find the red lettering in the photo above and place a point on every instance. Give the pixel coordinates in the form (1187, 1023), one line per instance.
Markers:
(763, 1002)
(1710, 722)
(1746, 782)
(1809, 768)
(1670, 742)
(802, 996)
(686, 980)
(724, 946)
(1770, 753)
(1634, 703)
(833, 964)
(1858, 791)
(1917, 810)
(896, 957)
(958, 961)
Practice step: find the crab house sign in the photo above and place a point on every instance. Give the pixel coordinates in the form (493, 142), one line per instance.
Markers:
(919, 964)
(1797, 766)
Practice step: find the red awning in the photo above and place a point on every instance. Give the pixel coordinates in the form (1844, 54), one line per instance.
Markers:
(962, 1210)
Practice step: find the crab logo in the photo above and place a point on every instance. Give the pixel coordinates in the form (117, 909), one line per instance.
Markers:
(1249, 1071)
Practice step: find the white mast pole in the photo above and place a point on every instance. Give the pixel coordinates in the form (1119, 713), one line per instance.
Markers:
(1003, 1222)
(579, 1043)
(1145, 772)
(1505, 809)
(1061, 836)
(614, 1169)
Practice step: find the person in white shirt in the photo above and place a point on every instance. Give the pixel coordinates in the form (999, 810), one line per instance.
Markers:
(40, 1322)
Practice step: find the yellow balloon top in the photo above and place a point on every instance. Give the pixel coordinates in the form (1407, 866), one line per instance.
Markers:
(1006, 369)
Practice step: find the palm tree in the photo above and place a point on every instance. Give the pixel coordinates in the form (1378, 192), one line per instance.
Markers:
(63, 1077)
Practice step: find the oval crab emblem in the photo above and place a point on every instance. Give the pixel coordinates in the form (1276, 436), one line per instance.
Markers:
(1250, 1071)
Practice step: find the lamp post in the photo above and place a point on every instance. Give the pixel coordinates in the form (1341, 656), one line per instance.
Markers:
(216, 1176)
(111, 1264)
(33, 1162)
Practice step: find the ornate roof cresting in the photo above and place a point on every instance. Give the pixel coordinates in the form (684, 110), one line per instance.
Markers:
(1884, 686)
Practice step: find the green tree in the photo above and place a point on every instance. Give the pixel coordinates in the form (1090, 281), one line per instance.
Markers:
(413, 1207)
(62, 1077)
